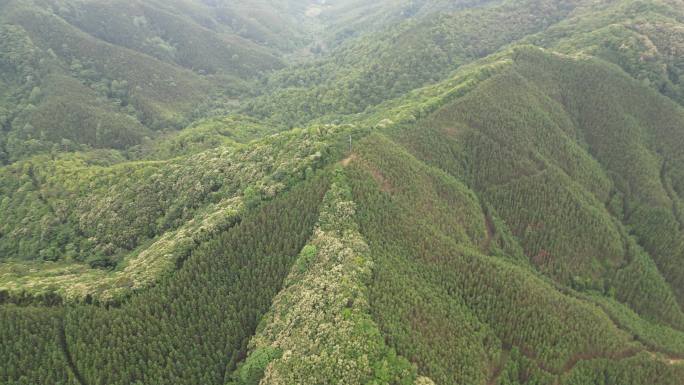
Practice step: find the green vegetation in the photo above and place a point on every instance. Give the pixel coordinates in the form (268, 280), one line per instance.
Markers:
(386, 65)
(644, 38)
(71, 82)
(230, 130)
(28, 333)
(193, 326)
(549, 167)
(479, 307)
(321, 320)
(396, 192)
(641, 369)
(68, 213)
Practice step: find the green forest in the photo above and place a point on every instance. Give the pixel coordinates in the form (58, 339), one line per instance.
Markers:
(397, 192)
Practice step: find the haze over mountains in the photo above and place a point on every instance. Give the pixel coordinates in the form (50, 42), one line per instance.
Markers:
(342, 192)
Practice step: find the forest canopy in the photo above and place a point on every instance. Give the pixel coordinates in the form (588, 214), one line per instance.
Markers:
(404, 192)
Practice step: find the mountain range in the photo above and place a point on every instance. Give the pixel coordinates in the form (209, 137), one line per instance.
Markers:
(342, 192)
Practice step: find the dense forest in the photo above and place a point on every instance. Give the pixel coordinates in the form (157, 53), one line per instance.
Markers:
(405, 192)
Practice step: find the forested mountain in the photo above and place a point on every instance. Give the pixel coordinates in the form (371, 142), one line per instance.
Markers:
(342, 192)
(100, 74)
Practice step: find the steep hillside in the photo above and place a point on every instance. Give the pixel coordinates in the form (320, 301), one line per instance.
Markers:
(478, 192)
(489, 244)
(541, 181)
(63, 218)
(319, 329)
(559, 166)
(72, 82)
(351, 18)
(188, 34)
(428, 40)
(644, 38)
(189, 329)
(380, 66)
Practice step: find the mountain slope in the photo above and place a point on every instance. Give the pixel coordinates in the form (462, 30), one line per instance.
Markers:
(512, 214)
(460, 287)
(585, 179)
(74, 82)
(319, 328)
(63, 217)
(644, 38)
(415, 52)
(451, 139)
